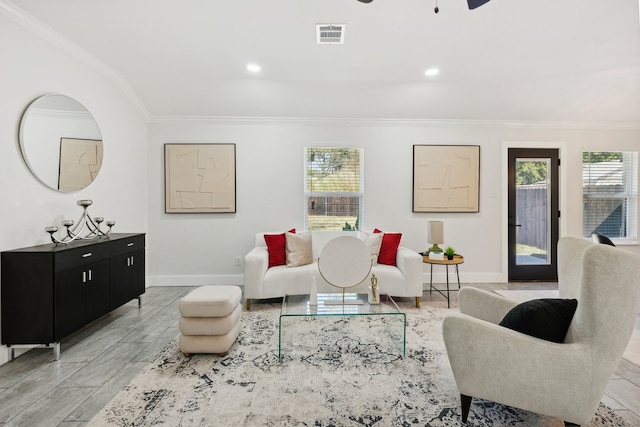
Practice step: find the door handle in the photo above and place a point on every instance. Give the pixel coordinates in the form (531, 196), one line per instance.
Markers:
(515, 225)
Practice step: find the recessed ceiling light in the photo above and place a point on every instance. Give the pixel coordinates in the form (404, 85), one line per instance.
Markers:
(431, 72)
(254, 68)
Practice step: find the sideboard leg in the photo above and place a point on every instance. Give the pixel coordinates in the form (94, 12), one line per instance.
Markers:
(56, 351)
(418, 302)
(140, 301)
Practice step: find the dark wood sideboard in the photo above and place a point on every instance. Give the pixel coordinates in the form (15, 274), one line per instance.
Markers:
(50, 291)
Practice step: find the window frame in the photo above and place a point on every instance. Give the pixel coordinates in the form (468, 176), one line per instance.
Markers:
(307, 193)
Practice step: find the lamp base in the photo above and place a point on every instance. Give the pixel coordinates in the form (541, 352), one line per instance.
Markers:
(435, 248)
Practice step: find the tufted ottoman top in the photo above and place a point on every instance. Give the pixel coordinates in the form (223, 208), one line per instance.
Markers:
(210, 301)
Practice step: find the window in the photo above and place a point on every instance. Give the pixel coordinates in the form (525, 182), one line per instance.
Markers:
(333, 188)
(610, 194)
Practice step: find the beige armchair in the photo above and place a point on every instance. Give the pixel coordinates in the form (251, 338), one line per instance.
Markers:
(562, 380)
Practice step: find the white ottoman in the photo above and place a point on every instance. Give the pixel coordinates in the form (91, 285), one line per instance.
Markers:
(210, 321)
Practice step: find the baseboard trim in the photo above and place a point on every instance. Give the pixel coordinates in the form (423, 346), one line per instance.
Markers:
(441, 277)
(235, 279)
(238, 279)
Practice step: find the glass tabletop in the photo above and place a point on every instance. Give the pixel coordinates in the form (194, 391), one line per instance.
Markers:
(331, 304)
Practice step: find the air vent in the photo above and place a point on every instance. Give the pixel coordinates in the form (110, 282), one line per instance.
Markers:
(330, 33)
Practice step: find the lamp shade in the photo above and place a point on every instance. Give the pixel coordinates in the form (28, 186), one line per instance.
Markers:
(435, 232)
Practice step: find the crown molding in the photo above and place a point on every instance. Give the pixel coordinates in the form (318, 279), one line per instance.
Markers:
(46, 33)
(335, 121)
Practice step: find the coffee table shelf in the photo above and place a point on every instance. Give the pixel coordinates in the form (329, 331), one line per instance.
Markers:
(298, 306)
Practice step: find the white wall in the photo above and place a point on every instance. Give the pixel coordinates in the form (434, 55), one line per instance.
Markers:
(32, 67)
(201, 248)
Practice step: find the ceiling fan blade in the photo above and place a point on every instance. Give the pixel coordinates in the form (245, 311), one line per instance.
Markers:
(476, 3)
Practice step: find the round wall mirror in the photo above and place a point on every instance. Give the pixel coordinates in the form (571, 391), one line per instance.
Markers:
(61, 143)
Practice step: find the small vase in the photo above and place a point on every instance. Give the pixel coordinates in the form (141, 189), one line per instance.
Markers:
(450, 257)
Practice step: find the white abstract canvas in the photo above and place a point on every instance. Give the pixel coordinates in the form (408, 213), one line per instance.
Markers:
(446, 178)
(200, 178)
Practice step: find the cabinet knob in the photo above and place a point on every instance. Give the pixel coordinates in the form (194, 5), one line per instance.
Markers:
(130, 244)
(88, 254)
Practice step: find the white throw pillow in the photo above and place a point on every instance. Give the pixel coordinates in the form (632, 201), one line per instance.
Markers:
(373, 241)
(299, 249)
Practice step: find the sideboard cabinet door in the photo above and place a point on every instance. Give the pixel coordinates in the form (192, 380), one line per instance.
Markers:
(127, 270)
(27, 297)
(98, 290)
(69, 302)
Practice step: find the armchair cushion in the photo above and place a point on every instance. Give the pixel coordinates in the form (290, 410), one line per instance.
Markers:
(546, 318)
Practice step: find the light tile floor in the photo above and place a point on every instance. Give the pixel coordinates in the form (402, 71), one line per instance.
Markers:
(102, 358)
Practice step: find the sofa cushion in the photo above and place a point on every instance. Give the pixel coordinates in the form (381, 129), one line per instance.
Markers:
(299, 249)
(276, 246)
(546, 318)
(373, 242)
(388, 247)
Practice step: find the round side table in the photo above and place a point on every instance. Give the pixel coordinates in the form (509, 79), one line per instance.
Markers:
(457, 260)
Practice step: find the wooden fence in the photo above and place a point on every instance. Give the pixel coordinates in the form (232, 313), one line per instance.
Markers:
(532, 215)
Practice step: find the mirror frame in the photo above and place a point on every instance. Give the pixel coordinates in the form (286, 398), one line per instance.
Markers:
(65, 129)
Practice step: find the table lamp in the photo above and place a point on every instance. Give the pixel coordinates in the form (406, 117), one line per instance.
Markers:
(435, 235)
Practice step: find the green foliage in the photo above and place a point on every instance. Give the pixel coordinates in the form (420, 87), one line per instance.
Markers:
(449, 251)
(601, 156)
(333, 170)
(530, 172)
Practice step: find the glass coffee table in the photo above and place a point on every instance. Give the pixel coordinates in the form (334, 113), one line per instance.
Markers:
(297, 306)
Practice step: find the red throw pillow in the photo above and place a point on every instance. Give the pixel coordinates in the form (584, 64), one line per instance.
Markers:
(388, 247)
(276, 246)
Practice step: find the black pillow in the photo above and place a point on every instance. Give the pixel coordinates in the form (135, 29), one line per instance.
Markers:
(546, 318)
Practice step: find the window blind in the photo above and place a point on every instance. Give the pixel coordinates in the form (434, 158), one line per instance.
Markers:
(610, 202)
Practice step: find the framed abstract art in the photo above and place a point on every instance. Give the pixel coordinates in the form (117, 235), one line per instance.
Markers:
(446, 178)
(200, 178)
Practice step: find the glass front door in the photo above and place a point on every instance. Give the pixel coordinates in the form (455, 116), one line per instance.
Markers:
(533, 214)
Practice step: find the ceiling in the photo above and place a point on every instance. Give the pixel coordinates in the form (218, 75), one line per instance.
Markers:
(509, 60)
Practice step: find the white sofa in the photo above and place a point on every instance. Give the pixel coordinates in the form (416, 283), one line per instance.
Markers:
(260, 281)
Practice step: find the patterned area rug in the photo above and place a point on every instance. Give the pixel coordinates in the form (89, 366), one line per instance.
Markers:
(335, 372)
